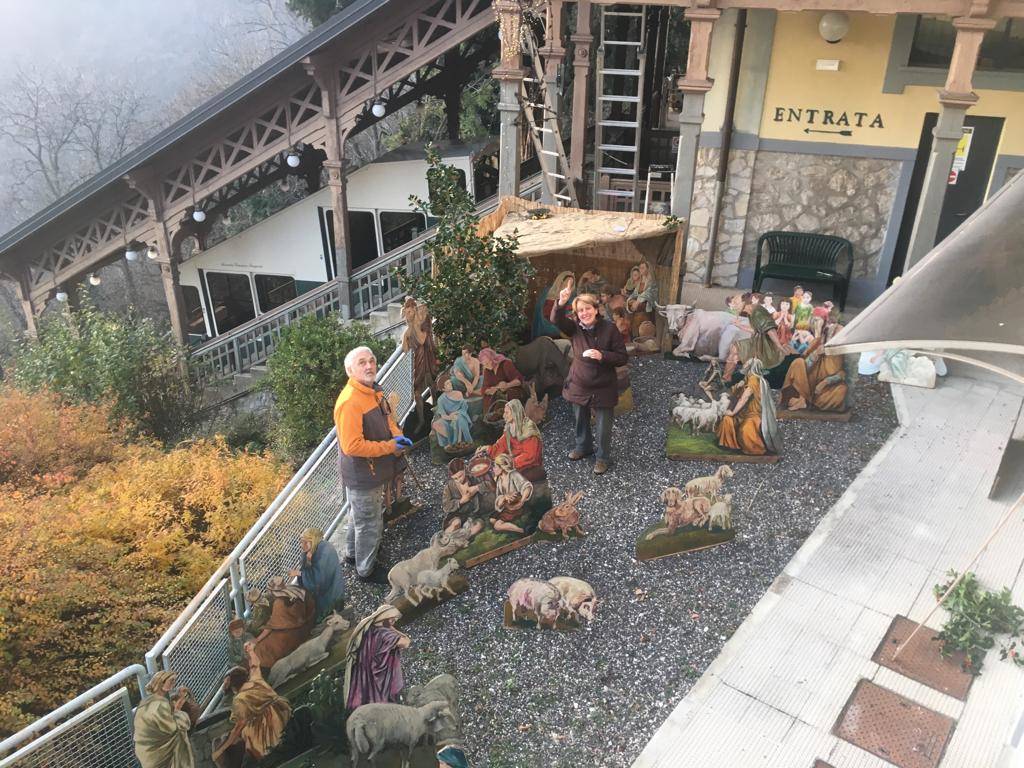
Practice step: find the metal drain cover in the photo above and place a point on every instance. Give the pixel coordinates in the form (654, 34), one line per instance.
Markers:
(921, 660)
(893, 727)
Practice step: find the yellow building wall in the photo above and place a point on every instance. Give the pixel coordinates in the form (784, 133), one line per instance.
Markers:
(794, 83)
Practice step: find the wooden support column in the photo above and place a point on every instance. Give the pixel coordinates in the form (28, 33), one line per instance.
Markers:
(23, 284)
(694, 85)
(582, 41)
(955, 99)
(325, 72)
(509, 74)
(148, 183)
(553, 53)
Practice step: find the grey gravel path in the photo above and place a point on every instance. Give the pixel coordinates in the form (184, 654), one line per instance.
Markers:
(594, 697)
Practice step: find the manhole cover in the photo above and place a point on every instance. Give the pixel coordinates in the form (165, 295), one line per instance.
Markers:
(921, 660)
(894, 727)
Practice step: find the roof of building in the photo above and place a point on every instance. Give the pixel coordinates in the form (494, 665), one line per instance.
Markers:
(197, 118)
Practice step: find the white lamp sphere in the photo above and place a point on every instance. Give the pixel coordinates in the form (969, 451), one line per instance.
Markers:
(152, 252)
(833, 26)
(293, 160)
(378, 109)
(199, 215)
(61, 296)
(130, 254)
(94, 279)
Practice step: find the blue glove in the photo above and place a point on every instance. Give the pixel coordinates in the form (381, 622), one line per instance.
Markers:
(403, 443)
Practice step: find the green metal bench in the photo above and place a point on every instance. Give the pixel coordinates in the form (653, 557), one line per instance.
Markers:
(808, 257)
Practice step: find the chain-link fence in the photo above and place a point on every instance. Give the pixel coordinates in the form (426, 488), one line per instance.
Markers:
(200, 653)
(100, 736)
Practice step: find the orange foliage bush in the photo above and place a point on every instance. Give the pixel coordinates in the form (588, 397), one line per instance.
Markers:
(45, 443)
(94, 573)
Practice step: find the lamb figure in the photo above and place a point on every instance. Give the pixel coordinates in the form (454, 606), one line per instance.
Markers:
(709, 485)
(311, 652)
(720, 514)
(431, 583)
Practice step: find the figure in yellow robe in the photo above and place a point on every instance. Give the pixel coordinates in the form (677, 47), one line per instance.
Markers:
(816, 380)
(750, 426)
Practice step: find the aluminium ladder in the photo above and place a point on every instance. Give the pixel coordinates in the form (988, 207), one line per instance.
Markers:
(533, 97)
(619, 108)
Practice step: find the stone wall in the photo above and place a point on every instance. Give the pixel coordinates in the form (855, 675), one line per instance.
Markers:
(847, 196)
(732, 217)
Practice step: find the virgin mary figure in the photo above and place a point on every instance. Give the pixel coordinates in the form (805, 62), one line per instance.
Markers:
(541, 325)
(452, 423)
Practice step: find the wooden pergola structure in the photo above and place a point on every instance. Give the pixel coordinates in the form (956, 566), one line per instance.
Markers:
(317, 93)
(308, 100)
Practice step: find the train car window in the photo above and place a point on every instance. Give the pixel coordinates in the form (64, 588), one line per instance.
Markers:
(363, 235)
(231, 298)
(400, 227)
(194, 320)
(274, 290)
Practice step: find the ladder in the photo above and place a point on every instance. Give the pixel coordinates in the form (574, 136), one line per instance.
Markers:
(619, 109)
(533, 98)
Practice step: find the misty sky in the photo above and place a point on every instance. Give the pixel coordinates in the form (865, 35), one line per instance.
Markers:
(158, 39)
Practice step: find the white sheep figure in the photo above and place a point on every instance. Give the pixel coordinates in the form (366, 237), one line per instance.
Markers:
(309, 653)
(431, 583)
(720, 514)
(701, 415)
(709, 485)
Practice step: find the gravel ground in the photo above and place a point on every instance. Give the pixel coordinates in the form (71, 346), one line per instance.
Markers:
(594, 697)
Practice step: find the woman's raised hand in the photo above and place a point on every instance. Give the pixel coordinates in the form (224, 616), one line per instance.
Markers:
(565, 293)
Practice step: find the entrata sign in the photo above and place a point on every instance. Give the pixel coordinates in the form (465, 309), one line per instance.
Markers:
(831, 121)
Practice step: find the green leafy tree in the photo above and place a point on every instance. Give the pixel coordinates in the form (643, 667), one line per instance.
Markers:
(305, 374)
(316, 12)
(88, 356)
(477, 289)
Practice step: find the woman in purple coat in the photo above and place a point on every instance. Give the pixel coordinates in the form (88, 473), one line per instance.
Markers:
(597, 349)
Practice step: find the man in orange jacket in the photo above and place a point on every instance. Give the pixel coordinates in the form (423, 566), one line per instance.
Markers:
(371, 451)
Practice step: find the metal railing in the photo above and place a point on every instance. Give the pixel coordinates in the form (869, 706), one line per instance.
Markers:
(195, 645)
(252, 343)
(95, 728)
(95, 734)
(374, 287)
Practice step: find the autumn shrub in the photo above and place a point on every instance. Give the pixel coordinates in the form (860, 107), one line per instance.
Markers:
(94, 573)
(89, 356)
(306, 372)
(46, 443)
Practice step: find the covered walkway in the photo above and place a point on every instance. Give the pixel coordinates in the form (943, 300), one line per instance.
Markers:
(921, 507)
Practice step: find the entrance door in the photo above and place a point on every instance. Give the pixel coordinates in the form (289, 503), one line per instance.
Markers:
(968, 184)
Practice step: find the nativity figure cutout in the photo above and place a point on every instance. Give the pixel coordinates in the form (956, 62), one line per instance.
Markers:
(695, 517)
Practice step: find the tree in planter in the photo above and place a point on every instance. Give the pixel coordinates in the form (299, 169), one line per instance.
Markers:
(305, 374)
(477, 289)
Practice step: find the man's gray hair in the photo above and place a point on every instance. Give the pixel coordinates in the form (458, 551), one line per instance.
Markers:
(350, 358)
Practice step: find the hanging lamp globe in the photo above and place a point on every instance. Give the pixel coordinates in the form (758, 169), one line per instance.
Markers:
(378, 109)
(94, 279)
(131, 254)
(152, 252)
(61, 296)
(293, 160)
(833, 26)
(199, 215)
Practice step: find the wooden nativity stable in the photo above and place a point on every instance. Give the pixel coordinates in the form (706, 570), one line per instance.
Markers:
(577, 240)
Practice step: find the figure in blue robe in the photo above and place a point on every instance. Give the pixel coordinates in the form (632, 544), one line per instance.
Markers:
(320, 574)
